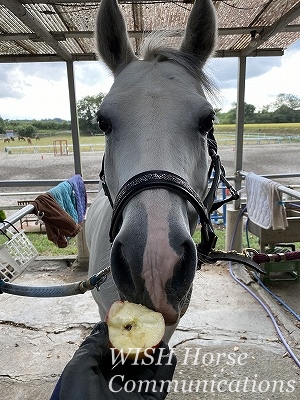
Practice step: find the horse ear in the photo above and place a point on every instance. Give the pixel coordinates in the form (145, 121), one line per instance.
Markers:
(201, 31)
(111, 36)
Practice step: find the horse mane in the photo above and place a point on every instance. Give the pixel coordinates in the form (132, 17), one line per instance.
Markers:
(152, 49)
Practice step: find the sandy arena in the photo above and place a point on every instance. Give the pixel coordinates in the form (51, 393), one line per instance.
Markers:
(261, 159)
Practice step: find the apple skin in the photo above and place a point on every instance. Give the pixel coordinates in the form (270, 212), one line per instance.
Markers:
(133, 329)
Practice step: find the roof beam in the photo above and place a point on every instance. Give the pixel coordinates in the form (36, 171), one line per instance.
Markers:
(33, 24)
(255, 53)
(84, 1)
(93, 57)
(279, 25)
(20, 58)
(63, 35)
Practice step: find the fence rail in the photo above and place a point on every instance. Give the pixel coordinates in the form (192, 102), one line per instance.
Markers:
(261, 139)
(33, 149)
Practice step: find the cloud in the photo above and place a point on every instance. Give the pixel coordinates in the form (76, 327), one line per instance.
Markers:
(91, 72)
(91, 78)
(41, 99)
(11, 86)
(263, 90)
(225, 70)
(266, 77)
(295, 47)
(40, 90)
(15, 78)
(54, 71)
(257, 66)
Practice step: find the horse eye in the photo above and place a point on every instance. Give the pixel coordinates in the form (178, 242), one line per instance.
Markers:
(103, 124)
(207, 124)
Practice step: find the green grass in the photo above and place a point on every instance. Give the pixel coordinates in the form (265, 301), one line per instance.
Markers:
(220, 232)
(225, 134)
(45, 247)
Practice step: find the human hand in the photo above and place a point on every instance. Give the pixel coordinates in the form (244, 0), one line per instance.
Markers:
(95, 372)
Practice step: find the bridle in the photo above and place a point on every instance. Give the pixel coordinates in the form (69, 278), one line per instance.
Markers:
(149, 180)
(172, 182)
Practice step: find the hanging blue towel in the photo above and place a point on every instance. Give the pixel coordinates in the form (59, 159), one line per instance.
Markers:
(80, 194)
(64, 195)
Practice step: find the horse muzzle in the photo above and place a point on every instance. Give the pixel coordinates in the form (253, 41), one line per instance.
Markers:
(153, 257)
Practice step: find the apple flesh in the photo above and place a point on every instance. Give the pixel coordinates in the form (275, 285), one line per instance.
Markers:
(134, 329)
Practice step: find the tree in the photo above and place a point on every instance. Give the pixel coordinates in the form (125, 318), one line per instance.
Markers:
(26, 130)
(285, 114)
(249, 114)
(2, 126)
(87, 108)
(290, 101)
(286, 108)
(228, 117)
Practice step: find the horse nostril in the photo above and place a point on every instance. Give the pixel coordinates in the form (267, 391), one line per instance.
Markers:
(119, 267)
(185, 269)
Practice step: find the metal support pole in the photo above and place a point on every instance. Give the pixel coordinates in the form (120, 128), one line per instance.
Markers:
(234, 226)
(240, 111)
(74, 119)
(83, 256)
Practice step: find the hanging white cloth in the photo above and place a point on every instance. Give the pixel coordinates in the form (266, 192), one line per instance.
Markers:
(264, 202)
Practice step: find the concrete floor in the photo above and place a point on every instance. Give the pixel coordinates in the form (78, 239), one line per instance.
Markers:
(225, 343)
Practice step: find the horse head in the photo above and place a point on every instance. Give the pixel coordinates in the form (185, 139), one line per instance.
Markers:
(155, 119)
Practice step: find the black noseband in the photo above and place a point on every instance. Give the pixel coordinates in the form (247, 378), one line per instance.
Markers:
(155, 179)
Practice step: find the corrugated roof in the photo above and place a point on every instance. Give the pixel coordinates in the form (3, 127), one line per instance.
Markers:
(63, 29)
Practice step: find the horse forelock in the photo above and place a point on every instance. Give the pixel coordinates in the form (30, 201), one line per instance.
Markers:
(153, 49)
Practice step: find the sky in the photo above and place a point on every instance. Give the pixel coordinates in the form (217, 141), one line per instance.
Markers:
(40, 90)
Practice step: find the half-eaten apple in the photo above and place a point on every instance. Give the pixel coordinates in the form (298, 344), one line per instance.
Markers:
(134, 329)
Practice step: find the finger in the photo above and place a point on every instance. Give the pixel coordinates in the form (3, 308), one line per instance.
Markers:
(96, 344)
(101, 328)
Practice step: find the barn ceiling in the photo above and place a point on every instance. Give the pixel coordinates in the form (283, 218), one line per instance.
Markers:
(57, 30)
